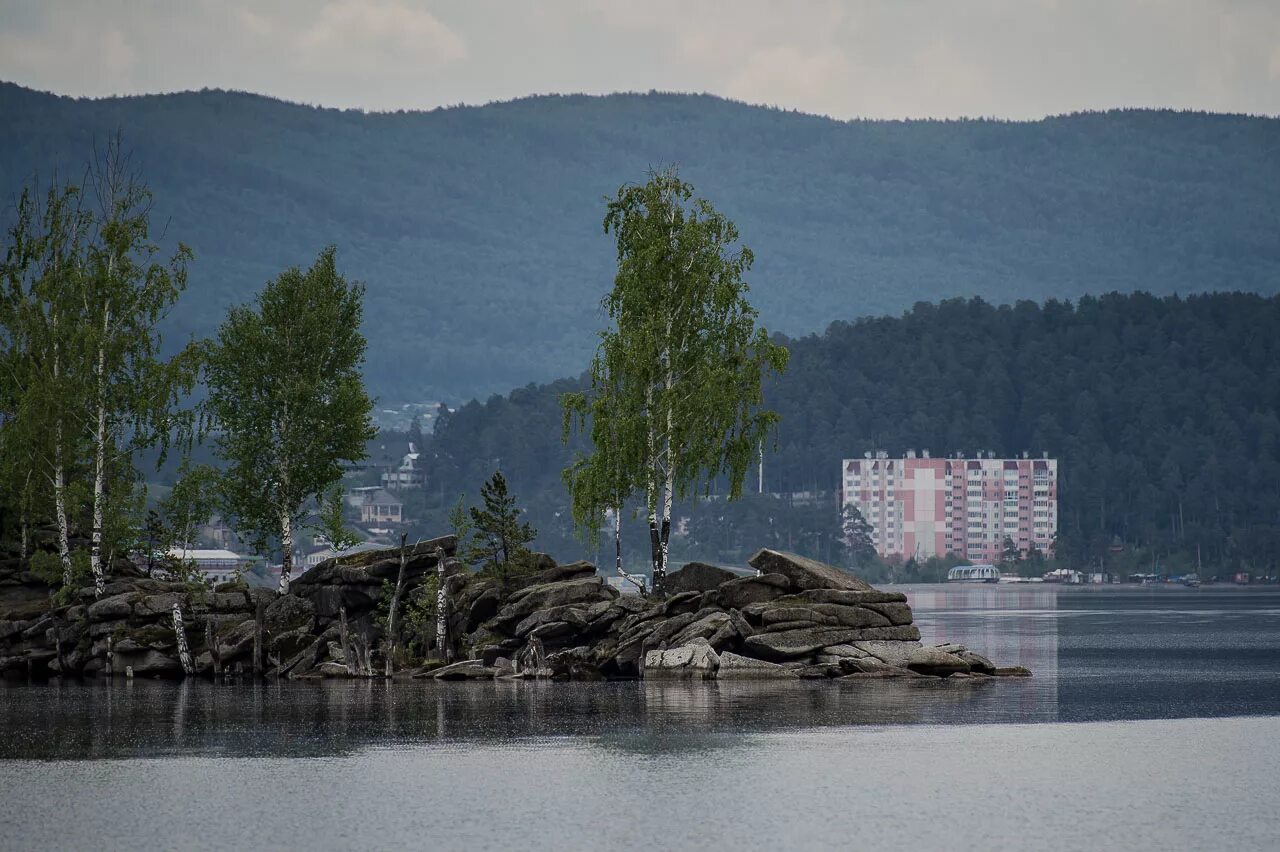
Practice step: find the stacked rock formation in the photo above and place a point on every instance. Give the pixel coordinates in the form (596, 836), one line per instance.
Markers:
(796, 618)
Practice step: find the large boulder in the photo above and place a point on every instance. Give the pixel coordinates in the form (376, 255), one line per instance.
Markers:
(289, 612)
(892, 652)
(547, 595)
(737, 667)
(936, 662)
(801, 641)
(736, 594)
(697, 660)
(466, 670)
(805, 573)
(111, 609)
(698, 577)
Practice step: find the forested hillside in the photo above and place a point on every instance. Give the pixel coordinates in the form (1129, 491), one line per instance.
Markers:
(478, 230)
(1164, 412)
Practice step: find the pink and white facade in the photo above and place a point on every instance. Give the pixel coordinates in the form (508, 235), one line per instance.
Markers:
(921, 506)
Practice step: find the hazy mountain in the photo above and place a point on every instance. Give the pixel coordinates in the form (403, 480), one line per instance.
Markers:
(478, 230)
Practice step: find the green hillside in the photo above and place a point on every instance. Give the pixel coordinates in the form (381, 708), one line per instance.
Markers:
(478, 230)
(1163, 412)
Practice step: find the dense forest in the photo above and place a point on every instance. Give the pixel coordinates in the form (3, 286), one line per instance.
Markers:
(478, 230)
(1164, 412)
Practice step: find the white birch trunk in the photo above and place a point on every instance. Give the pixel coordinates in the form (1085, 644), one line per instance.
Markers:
(100, 456)
(59, 477)
(286, 542)
(442, 601)
(184, 653)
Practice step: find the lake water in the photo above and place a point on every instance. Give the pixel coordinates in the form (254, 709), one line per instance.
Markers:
(1152, 721)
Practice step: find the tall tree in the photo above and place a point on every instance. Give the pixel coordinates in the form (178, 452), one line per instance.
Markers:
(856, 534)
(684, 363)
(42, 315)
(135, 394)
(286, 393)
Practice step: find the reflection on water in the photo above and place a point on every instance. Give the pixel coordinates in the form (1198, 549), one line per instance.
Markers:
(1013, 625)
(1096, 654)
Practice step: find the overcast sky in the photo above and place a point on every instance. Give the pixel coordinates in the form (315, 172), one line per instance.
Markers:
(891, 59)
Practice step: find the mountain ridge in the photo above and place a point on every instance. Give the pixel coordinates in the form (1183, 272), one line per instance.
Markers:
(477, 228)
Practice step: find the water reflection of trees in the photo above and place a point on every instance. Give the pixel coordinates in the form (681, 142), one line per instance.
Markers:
(144, 718)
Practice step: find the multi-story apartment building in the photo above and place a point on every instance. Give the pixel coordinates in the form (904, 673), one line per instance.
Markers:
(919, 506)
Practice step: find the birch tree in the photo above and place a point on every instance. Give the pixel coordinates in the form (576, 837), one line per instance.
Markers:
(42, 325)
(676, 395)
(135, 395)
(287, 400)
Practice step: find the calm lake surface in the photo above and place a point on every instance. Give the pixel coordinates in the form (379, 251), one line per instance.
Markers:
(1152, 721)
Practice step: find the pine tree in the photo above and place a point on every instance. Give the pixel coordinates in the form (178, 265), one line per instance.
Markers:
(499, 538)
(856, 534)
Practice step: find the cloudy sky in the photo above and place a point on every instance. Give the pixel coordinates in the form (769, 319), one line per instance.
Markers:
(889, 59)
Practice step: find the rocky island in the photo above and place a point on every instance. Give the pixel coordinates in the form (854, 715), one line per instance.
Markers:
(796, 618)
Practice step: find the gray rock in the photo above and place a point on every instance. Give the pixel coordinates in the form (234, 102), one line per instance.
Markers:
(466, 670)
(772, 614)
(737, 667)
(1012, 671)
(843, 597)
(112, 608)
(698, 577)
(289, 612)
(977, 663)
(579, 663)
(850, 665)
(705, 627)
(548, 595)
(148, 663)
(682, 602)
(894, 653)
(845, 651)
(895, 613)
(789, 644)
(331, 668)
(739, 593)
(697, 660)
(932, 661)
(574, 615)
(785, 626)
(805, 573)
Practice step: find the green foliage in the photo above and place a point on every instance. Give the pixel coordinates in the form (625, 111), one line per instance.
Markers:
(498, 540)
(856, 534)
(675, 396)
(330, 520)
(188, 505)
(460, 520)
(286, 393)
(49, 568)
(420, 617)
(85, 385)
(847, 218)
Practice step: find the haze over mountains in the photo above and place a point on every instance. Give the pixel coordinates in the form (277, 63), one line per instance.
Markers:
(478, 229)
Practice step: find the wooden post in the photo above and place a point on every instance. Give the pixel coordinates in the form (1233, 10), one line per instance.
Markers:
(257, 641)
(389, 645)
